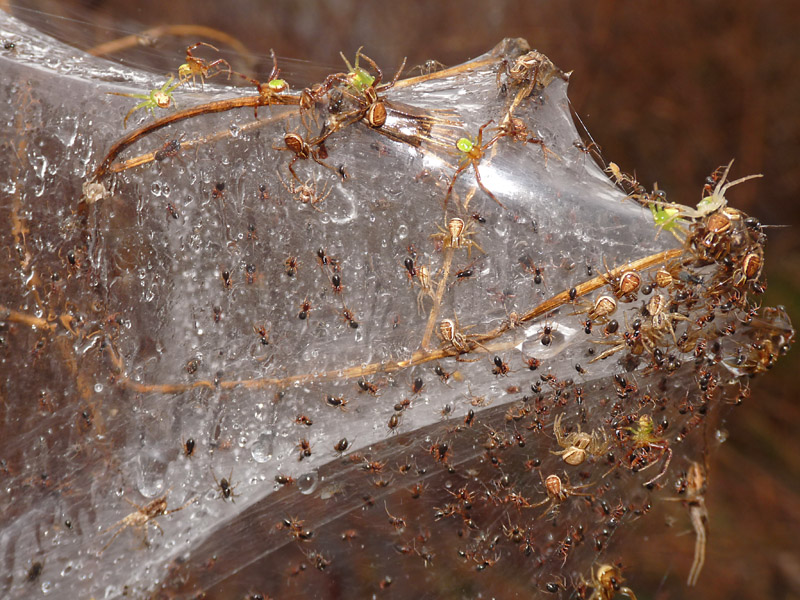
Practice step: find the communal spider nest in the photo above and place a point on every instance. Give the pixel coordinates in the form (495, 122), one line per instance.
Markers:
(166, 282)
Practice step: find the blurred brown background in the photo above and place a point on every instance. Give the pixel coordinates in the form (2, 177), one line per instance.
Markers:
(669, 91)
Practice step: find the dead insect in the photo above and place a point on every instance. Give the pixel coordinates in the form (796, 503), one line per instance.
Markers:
(469, 418)
(227, 282)
(143, 516)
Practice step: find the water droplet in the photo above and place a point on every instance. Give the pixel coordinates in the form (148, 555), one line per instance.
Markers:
(155, 188)
(402, 232)
(307, 482)
(261, 450)
(98, 387)
(721, 435)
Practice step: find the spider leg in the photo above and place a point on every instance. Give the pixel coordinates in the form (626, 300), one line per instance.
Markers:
(483, 187)
(113, 537)
(608, 353)
(154, 523)
(291, 164)
(378, 72)
(386, 86)
(699, 516)
(480, 136)
(471, 244)
(318, 160)
(216, 63)
(458, 172)
(663, 471)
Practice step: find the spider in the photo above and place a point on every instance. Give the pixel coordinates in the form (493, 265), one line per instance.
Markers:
(306, 192)
(144, 515)
(450, 332)
(367, 87)
(662, 320)
(692, 486)
(294, 143)
(695, 499)
(156, 98)
(607, 583)
(517, 130)
(426, 288)
(457, 235)
(668, 213)
(578, 444)
(626, 285)
(599, 311)
(530, 69)
(647, 448)
(632, 338)
(272, 88)
(197, 66)
(472, 150)
(557, 491)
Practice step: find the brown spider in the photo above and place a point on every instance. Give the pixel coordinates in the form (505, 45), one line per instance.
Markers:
(662, 321)
(367, 87)
(515, 128)
(294, 143)
(449, 332)
(647, 447)
(625, 285)
(194, 66)
(306, 192)
(143, 516)
(557, 491)
(607, 583)
(426, 288)
(598, 311)
(457, 235)
(273, 87)
(472, 150)
(578, 444)
(529, 69)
